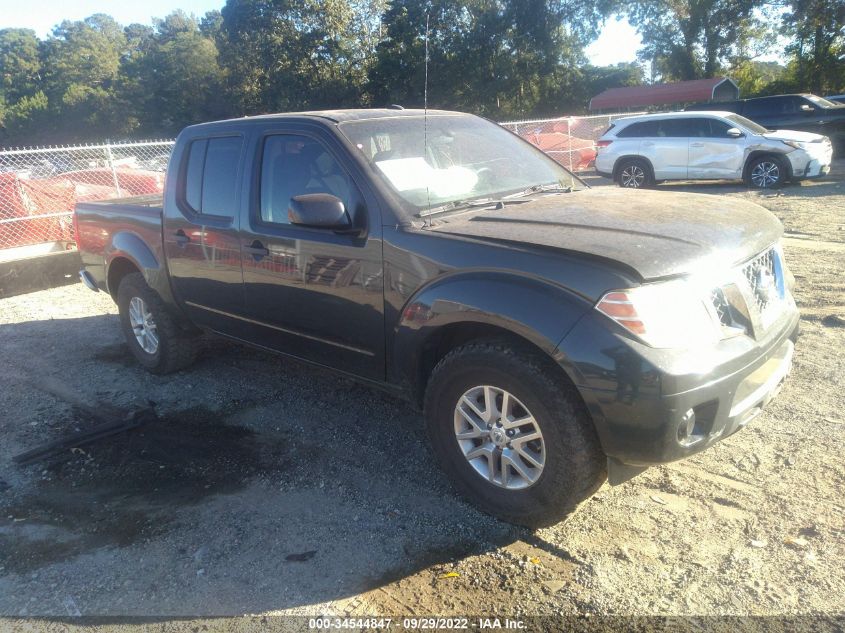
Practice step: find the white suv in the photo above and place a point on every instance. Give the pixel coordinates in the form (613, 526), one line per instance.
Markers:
(639, 151)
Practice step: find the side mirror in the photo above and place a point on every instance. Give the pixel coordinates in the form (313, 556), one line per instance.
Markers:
(318, 210)
(735, 132)
(806, 107)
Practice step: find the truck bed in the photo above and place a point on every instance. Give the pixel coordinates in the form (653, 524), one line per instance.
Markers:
(147, 202)
(111, 225)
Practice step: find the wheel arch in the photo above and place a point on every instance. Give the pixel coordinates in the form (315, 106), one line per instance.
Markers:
(637, 157)
(759, 153)
(117, 269)
(126, 254)
(528, 313)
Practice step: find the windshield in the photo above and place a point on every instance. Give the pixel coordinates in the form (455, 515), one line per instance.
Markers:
(821, 101)
(452, 159)
(748, 124)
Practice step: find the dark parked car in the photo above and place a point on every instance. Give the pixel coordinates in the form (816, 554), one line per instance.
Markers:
(803, 112)
(836, 98)
(554, 334)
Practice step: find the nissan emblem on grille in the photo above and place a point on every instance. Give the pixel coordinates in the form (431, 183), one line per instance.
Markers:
(764, 275)
(760, 302)
(765, 287)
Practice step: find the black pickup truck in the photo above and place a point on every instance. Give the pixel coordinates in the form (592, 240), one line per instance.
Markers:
(555, 335)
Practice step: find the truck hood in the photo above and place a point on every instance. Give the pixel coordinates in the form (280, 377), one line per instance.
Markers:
(657, 234)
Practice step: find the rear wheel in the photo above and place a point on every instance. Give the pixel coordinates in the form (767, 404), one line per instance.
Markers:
(633, 173)
(150, 331)
(512, 436)
(766, 172)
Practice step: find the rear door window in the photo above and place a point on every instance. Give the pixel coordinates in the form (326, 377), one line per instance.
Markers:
(193, 174)
(699, 128)
(211, 176)
(677, 128)
(638, 130)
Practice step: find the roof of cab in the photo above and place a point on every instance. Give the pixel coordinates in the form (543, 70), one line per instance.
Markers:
(341, 116)
(673, 115)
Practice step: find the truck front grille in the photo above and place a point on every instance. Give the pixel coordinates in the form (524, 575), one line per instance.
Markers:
(754, 299)
(721, 306)
(762, 275)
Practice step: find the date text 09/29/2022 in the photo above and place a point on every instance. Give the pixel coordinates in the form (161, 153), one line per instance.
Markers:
(432, 623)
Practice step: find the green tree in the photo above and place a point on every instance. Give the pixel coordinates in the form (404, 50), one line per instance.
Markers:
(20, 63)
(181, 80)
(691, 39)
(501, 58)
(756, 77)
(284, 55)
(817, 32)
(81, 68)
(25, 122)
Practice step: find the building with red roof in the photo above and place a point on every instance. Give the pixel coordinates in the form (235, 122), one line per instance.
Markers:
(680, 92)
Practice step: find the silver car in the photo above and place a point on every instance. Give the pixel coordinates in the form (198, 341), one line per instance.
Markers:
(640, 151)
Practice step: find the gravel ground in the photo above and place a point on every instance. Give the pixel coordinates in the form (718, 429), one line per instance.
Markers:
(264, 486)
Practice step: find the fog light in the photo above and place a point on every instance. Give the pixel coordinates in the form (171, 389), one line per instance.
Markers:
(686, 427)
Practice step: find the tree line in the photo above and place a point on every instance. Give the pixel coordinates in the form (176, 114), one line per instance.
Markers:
(94, 78)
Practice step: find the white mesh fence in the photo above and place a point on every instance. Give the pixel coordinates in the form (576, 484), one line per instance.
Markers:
(571, 140)
(40, 186)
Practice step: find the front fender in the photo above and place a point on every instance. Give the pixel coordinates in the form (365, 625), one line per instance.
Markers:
(535, 310)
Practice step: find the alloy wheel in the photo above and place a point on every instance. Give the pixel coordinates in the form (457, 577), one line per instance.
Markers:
(765, 174)
(499, 437)
(143, 325)
(632, 176)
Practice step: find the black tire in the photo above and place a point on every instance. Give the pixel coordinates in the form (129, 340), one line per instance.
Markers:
(575, 466)
(634, 173)
(766, 163)
(175, 350)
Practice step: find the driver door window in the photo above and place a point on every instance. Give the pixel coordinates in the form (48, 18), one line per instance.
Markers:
(294, 165)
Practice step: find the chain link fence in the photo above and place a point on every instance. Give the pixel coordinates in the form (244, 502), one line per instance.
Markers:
(571, 141)
(40, 186)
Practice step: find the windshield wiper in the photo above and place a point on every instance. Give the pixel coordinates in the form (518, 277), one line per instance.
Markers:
(500, 203)
(547, 188)
(469, 203)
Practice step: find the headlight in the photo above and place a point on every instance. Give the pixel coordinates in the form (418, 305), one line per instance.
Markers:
(669, 314)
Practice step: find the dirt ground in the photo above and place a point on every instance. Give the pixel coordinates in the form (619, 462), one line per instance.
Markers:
(265, 486)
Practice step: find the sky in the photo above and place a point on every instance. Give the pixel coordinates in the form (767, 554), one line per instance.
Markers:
(617, 42)
(42, 15)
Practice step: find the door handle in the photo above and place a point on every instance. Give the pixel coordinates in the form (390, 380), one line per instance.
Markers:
(647, 143)
(181, 238)
(696, 144)
(256, 249)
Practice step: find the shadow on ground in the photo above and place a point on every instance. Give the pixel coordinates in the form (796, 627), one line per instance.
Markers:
(263, 484)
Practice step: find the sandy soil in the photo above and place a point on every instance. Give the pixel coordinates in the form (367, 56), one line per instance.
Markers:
(268, 487)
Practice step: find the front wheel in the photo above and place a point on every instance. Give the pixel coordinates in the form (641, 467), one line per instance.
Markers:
(766, 172)
(513, 436)
(150, 331)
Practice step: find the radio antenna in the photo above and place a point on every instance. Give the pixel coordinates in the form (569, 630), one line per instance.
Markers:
(425, 88)
(425, 111)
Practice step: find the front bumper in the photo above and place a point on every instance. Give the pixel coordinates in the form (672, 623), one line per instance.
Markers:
(811, 163)
(654, 406)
